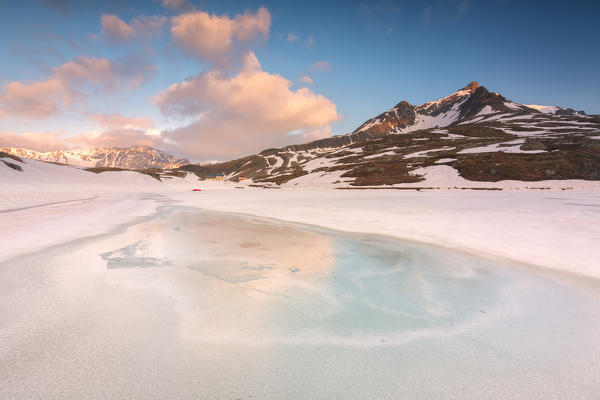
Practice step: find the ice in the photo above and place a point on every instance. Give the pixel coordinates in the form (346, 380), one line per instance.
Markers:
(207, 305)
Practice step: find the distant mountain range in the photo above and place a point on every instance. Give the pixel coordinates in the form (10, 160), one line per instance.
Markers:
(480, 134)
(139, 157)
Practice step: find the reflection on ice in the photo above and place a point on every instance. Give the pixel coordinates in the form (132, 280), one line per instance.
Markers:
(262, 282)
(131, 257)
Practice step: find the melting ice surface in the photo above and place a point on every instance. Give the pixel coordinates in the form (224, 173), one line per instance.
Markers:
(203, 305)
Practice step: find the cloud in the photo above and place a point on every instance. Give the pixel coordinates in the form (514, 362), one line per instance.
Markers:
(292, 38)
(212, 37)
(321, 66)
(143, 26)
(42, 141)
(34, 99)
(309, 43)
(113, 138)
(42, 99)
(242, 114)
(115, 28)
(117, 121)
(148, 26)
(177, 5)
(306, 79)
(52, 141)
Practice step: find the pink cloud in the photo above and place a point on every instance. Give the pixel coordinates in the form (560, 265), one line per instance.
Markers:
(117, 121)
(86, 69)
(49, 141)
(244, 113)
(212, 37)
(34, 99)
(115, 28)
(113, 138)
(321, 66)
(141, 26)
(42, 141)
(42, 99)
(306, 79)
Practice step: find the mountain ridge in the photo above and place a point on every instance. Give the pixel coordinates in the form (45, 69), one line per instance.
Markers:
(133, 157)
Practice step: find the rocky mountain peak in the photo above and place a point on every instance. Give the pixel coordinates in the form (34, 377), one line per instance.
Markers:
(471, 87)
(403, 104)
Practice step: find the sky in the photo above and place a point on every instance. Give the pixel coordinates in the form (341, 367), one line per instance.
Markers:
(216, 80)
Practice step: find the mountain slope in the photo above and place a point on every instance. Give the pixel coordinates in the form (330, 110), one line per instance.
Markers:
(471, 137)
(128, 158)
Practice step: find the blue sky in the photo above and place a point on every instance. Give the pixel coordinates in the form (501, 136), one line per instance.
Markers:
(362, 58)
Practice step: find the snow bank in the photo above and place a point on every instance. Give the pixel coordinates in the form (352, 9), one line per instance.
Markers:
(557, 230)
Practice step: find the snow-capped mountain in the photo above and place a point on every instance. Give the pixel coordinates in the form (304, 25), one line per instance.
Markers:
(128, 158)
(467, 103)
(473, 134)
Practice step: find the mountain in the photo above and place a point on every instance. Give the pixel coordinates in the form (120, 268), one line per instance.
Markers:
(128, 158)
(473, 135)
(470, 101)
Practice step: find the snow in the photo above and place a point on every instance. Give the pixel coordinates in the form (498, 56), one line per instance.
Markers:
(453, 136)
(278, 162)
(450, 97)
(556, 229)
(369, 124)
(319, 162)
(485, 111)
(322, 180)
(508, 117)
(424, 121)
(424, 153)
(196, 305)
(385, 153)
(543, 109)
(444, 160)
(501, 147)
(512, 105)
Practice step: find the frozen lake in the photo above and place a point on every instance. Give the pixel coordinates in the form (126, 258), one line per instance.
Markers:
(193, 304)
